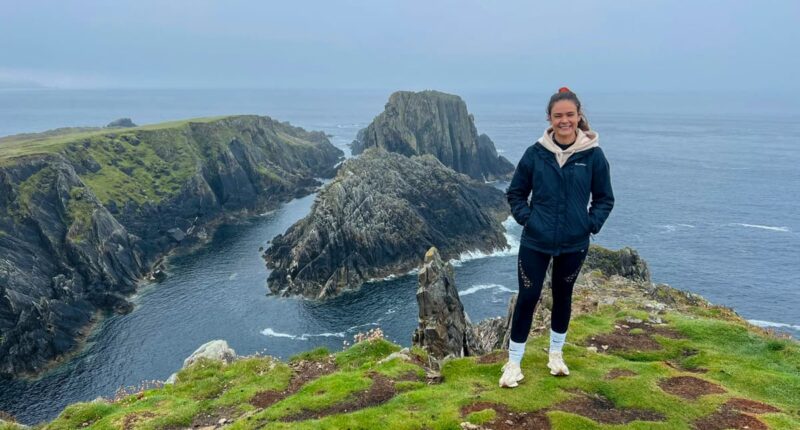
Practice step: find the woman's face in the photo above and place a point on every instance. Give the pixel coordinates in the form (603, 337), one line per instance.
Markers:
(564, 118)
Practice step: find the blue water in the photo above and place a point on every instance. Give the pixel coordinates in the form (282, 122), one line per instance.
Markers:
(706, 190)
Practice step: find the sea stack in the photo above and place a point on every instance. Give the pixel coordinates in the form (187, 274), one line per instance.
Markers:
(436, 123)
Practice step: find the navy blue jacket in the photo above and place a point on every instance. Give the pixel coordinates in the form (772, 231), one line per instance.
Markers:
(557, 220)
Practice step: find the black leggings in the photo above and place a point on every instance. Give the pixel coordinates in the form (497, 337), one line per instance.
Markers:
(531, 270)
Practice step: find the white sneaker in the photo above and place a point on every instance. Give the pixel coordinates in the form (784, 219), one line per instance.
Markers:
(512, 374)
(556, 364)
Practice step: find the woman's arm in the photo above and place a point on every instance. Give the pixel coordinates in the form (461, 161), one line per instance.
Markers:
(520, 187)
(602, 194)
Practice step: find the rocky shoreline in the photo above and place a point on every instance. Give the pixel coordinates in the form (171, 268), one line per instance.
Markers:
(88, 217)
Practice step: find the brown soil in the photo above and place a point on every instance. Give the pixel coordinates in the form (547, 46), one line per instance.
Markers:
(689, 387)
(619, 373)
(304, 371)
(602, 410)
(211, 418)
(727, 419)
(381, 390)
(492, 357)
(507, 420)
(749, 406)
(621, 339)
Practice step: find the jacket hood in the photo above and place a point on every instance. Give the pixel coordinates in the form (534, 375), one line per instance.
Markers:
(585, 140)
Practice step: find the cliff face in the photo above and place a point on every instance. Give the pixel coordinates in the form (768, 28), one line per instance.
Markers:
(376, 217)
(85, 218)
(430, 122)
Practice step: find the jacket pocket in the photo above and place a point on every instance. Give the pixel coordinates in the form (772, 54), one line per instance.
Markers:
(535, 225)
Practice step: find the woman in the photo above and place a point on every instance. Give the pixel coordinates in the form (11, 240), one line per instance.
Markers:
(560, 172)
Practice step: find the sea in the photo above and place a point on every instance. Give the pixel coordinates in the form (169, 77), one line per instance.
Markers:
(707, 190)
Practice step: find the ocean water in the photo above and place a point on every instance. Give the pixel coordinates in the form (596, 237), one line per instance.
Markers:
(707, 190)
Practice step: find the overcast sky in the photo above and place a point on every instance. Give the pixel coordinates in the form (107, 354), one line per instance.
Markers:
(467, 44)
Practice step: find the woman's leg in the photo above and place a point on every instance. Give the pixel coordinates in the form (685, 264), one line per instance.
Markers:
(566, 268)
(531, 269)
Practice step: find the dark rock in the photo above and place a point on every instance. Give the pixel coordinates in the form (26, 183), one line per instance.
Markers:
(443, 326)
(430, 122)
(176, 234)
(444, 329)
(121, 123)
(376, 217)
(626, 263)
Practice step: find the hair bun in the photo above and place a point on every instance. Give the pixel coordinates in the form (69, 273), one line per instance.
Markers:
(564, 90)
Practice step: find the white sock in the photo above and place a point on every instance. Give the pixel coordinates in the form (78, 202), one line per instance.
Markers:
(515, 351)
(557, 341)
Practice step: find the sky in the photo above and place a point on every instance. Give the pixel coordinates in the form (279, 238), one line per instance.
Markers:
(497, 45)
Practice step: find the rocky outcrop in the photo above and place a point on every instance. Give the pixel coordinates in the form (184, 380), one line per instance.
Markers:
(215, 350)
(626, 263)
(81, 223)
(121, 123)
(381, 212)
(430, 122)
(444, 328)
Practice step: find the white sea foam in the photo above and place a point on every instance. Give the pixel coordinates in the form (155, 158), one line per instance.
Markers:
(761, 323)
(512, 249)
(361, 325)
(304, 336)
(479, 287)
(669, 228)
(763, 227)
(233, 276)
(273, 333)
(413, 271)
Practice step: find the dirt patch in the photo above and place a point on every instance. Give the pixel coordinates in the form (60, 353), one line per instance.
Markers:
(619, 373)
(602, 410)
(507, 419)
(492, 357)
(381, 390)
(304, 371)
(622, 340)
(689, 387)
(211, 418)
(749, 406)
(728, 419)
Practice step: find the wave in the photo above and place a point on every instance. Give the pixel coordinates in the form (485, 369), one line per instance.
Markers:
(480, 287)
(413, 271)
(233, 276)
(272, 333)
(511, 249)
(761, 323)
(669, 228)
(763, 227)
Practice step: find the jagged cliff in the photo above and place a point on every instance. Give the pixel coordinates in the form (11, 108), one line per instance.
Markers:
(84, 214)
(376, 217)
(431, 122)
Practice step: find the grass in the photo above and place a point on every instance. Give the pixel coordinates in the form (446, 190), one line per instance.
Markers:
(746, 363)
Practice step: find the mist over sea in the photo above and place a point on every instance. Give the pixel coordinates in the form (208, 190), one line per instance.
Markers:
(707, 190)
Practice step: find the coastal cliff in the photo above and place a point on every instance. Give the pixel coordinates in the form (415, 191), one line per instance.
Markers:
(641, 355)
(86, 213)
(376, 217)
(436, 123)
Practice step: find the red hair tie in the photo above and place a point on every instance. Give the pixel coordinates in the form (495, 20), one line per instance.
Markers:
(564, 90)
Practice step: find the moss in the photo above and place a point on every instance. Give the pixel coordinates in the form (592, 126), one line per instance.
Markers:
(313, 355)
(746, 363)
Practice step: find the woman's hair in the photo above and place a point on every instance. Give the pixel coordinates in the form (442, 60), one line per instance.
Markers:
(565, 93)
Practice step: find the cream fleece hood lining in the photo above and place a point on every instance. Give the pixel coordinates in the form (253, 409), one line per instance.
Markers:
(585, 140)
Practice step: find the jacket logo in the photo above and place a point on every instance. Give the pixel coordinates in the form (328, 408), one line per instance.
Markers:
(580, 164)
